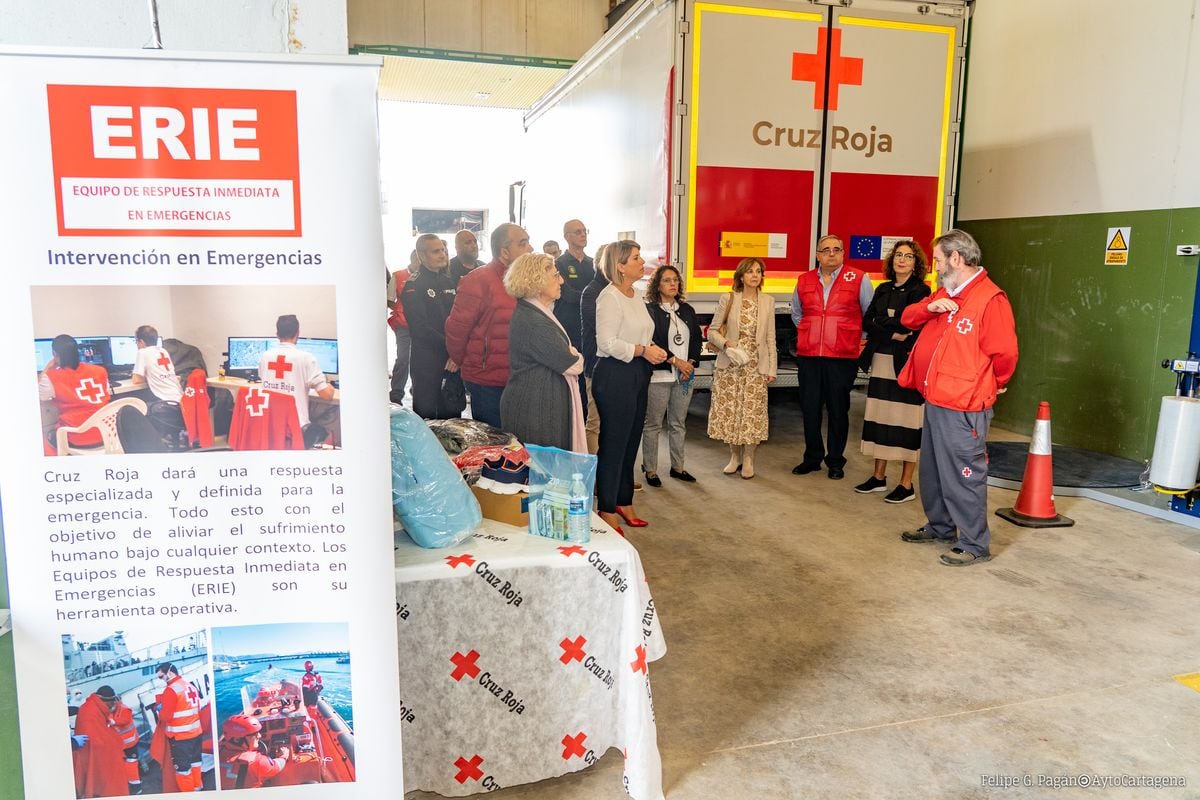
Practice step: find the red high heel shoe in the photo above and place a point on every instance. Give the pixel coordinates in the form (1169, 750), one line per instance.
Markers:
(633, 522)
(604, 516)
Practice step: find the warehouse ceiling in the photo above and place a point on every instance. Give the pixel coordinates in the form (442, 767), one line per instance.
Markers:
(427, 75)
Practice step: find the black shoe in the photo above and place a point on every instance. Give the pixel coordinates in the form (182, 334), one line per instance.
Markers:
(922, 535)
(683, 475)
(872, 484)
(836, 473)
(804, 469)
(900, 495)
(958, 557)
(653, 479)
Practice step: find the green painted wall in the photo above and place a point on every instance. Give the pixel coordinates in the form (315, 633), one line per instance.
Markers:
(1092, 337)
(11, 784)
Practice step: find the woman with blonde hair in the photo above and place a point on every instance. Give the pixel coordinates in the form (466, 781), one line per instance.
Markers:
(626, 354)
(540, 403)
(743, 333)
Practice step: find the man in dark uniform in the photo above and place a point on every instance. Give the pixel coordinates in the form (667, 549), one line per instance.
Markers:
(577, 270)
(427, 300)
(466, 254)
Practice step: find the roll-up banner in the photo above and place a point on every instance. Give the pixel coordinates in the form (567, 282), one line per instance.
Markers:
(195, 482)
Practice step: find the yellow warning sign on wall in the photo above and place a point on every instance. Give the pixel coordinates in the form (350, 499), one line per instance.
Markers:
(1116, 249)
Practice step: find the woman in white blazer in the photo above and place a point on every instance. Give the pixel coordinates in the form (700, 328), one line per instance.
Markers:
(743, 334)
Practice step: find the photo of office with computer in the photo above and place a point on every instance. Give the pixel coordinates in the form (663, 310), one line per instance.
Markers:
(176, 369)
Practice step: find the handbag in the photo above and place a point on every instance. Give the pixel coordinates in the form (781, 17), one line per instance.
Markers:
(454, 394)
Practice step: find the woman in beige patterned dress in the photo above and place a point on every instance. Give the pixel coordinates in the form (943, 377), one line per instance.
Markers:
(743, 334)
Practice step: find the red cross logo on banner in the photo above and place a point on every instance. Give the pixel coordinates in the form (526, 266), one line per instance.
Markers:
(280, 367)
(164, 360)
(964, 325)
(966, 472)
(469, 770)
(573, 550)
(257, 402)
(464, 665)
(572, 650)
(639, 663)
(465, 558)
(810, 67)
(573, 746)
(89, 391)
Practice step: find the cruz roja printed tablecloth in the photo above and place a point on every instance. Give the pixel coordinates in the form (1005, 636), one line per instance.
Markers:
(523, 658)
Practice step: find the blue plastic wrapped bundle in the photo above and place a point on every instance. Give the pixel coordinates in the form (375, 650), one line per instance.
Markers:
(561, 485)
(429, 495)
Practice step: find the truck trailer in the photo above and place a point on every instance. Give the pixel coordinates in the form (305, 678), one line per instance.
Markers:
(709, 132)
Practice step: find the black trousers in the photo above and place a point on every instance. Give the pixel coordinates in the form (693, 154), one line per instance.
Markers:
(427, 366)
(620, 392)
(825, 384)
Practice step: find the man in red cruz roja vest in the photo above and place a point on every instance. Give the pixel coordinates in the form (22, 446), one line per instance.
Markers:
(828, 307)
(180, 718)
(965, 354)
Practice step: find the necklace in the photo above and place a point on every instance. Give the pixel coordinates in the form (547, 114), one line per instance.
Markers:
(676, 323)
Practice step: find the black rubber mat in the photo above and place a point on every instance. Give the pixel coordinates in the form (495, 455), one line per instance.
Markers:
(1073, 467)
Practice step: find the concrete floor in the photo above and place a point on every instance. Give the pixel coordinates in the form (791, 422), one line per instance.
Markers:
(812, 654)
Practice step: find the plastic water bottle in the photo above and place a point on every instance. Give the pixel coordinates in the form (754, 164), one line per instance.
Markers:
(579, 518)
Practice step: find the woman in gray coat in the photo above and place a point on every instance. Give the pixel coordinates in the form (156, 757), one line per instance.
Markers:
(541, 403)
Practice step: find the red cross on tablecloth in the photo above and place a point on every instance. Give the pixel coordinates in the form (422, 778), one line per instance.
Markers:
(573, 550)
(279, 366)
(572, 649)
(573, 745)
(464, 665)
(164, 360)
(810, 67)
(257, 402)
(465, 558)
(469, 769)
(89, 391)
(639, 663)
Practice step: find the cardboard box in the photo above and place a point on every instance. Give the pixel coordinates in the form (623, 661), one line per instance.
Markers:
(512, 509)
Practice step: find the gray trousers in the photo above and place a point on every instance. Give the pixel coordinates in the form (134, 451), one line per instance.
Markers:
(400, 368)
(665, 401)
(953, 475)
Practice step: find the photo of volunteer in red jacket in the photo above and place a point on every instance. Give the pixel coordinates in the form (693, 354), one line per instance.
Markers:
(259, 369)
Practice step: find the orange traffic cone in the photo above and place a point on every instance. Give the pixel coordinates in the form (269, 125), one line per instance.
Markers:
(1035, 503)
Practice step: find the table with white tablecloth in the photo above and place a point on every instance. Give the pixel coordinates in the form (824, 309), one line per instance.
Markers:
(523, 658)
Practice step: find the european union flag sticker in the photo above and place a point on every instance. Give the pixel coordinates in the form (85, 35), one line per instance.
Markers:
(866, 247)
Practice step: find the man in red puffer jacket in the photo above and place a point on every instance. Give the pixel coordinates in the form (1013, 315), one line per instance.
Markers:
(477, 328)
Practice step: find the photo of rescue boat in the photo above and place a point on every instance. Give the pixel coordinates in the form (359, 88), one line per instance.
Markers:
(284, 710)
(319, 740)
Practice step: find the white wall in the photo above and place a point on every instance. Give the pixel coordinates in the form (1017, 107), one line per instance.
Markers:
(435, 156)
(204, 316)
(1081, 106)
(257, 26)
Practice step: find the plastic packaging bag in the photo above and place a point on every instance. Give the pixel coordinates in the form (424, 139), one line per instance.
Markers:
(429, 496)
(458, 434)
(561, 485)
